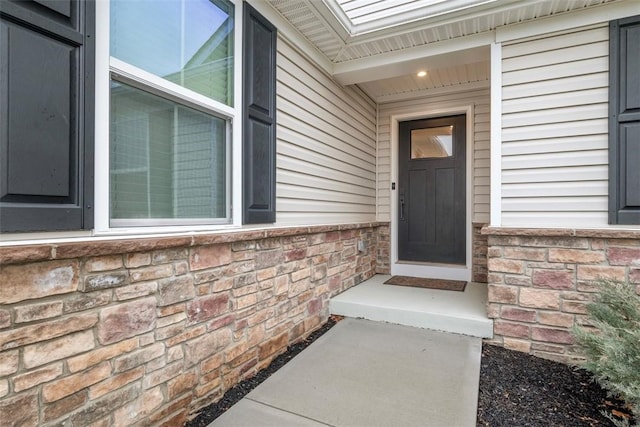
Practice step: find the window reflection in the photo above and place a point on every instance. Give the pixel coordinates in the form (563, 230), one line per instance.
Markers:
(432, 142)
(188, 42)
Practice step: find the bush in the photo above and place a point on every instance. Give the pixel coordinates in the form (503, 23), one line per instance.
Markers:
(612, 346)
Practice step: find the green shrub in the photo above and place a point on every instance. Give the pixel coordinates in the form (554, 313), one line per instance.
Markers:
(612, 347)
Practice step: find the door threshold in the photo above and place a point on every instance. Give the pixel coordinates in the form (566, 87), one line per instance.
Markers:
(432, 271)
(431, 264)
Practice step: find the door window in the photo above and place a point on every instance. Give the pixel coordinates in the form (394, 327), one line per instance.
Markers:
(432, 142)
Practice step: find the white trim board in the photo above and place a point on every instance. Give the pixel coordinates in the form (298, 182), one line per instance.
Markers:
(495, 150)
(439, 271)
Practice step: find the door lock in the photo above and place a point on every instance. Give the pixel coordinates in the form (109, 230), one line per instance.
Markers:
(401, 202)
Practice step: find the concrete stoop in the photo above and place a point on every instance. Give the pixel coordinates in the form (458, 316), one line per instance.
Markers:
(446, 311)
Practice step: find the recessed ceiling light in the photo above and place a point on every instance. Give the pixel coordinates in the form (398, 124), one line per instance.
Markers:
(422, 73)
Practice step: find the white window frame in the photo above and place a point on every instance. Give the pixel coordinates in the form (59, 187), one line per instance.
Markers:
(105, 66)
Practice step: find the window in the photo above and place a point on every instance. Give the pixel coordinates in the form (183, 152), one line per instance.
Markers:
(430, 143)
(183, 132)
(624, 121)
(187, 42)
(167, 160)
(171, 106)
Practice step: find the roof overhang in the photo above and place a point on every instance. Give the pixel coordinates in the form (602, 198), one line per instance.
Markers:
(371, 42)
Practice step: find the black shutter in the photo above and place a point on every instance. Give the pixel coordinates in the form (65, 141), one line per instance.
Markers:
(46, 114)
(624, 121)
(259, 119)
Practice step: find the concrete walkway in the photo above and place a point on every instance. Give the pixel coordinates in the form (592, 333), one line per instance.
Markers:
(366, 373)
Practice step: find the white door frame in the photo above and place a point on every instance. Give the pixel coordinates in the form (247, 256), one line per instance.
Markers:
(436, 271)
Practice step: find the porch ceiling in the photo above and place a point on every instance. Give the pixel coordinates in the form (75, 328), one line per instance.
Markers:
(380, 44)
(465, 76)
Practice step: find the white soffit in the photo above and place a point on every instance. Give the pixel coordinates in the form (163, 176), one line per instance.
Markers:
(351, 30)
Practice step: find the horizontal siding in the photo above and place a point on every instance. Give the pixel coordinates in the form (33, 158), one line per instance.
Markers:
(557, 189)
(554, 145)
(481, 181)
(561, 56)
(586, 97)
(326, 153)
(520, 91)
(565, 174)
(557, 219)
(554, 160)
(554, 130)
(554, 71)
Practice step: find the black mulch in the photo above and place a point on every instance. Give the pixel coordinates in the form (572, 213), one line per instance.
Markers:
(516, 390)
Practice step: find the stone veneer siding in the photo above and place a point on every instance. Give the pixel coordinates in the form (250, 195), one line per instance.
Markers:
(479, 254)
(540, 281)
(147, 331)
(383, 261)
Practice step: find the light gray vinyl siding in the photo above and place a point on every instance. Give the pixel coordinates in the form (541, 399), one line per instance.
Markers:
(481, 102)
(326, 154)
(554, 129)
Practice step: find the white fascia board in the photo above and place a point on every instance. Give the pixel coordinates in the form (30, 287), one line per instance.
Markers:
(462, 50)
(571, 19)
(289, 32)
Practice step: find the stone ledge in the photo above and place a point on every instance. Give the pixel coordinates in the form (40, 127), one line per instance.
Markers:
(562, 232)
(93, 247)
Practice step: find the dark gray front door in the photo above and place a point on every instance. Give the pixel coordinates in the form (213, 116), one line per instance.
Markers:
(431, 191)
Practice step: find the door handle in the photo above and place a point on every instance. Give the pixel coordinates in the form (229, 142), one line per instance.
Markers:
(401, 201)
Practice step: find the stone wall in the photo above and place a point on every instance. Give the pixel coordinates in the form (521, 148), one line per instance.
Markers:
(479, 254)
(540, 282)
(141, 332)
(383, 261)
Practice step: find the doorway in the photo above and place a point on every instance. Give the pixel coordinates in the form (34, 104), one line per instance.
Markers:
(432, 196)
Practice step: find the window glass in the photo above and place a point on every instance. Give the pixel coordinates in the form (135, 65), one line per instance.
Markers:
(432, 142)
(167, 161)
(188, 42)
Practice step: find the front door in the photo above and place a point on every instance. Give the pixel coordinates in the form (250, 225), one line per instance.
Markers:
(431, 190)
